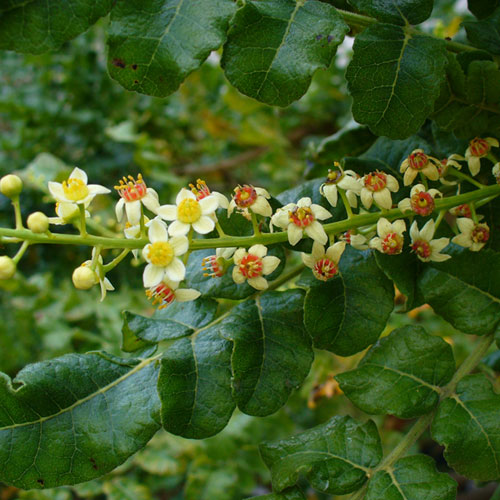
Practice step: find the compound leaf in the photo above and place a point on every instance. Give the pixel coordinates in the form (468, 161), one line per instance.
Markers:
(399, 375)
(272, 352)
(411, 478)
(394, 78)
(349, 312)
(396, 11)
(155, 44)
(42, 25)
(275, 46)
(75, 418)
(335, 456)
(467, 425)
(465, 290)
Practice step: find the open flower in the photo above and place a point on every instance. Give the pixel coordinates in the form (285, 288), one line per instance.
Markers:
(253, 265)
(215, 266)
(168, 291)
(66, 213)
(99, 274)
(420, 201)
(356, 240)
(132, 232)
(189, 213)
(377, 186)
(346, 180)
(247, 198)
(161, 255)
(473, 235)
(445, 165)
(75, 189)
(478, 148)
(201, 190)
(418, 162)
(301, 218)
(390, 236)
(133, 193)
(324, 264)
(424, 246)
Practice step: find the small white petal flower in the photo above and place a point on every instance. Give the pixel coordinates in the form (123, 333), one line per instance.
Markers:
(162, 255)
(390, 236)
(104, 282)
(377, 186)
(168, 291)
(472, 235)
(421, 201)
(253, 265)
(215, 266)
(189, 213)
(478, 148)
(75, 189)
(247, 198)
(324, 264)
(301, 218)
(134, 193)
(417, 162)
(356, 240)
(201, 190)
(346, 180)
(67, 213)
(424, 246)
(496, 172)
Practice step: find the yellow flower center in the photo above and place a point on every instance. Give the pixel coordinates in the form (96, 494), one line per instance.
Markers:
(75, 189)
(161, 253)
(188, 211)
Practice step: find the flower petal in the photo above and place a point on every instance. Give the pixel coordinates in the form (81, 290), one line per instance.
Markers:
(183, 194)
(335, 251)
(152, 275)
(366, 197)
(208, 205)
(465, 224)
(439, 244)
(221, 199)
(176, 270)
(320, 212)
(261, 206)
(238, 278)
(56, 190)
(431, 171)
(269, 264)
(204, 225)
(179, 244)
(178, 228)
(384, 227)
(294, 234)
(399, 226)
(78, 173)
(383, 198)
(427, 231)
(238, 255)
(330, 192)
(95, 189)
(414, 232)
(308, 260)
(262, 192)
(474, 165)
(133, 210)
(150, 201)
(186, 294)
(119, 209)
(167, 212)
(258, 250)
(405, 205)
(259, 283)
(409, 176)
(304, 202)
(157, 231)
(316, 232)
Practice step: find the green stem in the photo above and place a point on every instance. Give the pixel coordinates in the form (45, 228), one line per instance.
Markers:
(142, 224)
(83, 222)
(294, 271)
(17, 213)
(111, 265)
(255, 224)
(473, 212)
(220, 231)
(21, 252)
(347, 205)
(439, 218)
(459, 175)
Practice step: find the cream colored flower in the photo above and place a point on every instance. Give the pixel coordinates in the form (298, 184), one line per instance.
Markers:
(478, 148)
(75, 189)
(421, 201)
(356, 240)
(67, 213)
(133, 193)
(215, 266)
(424, 246)
(377, 186)
(496, 172)
(418, 162)
(390, 236)
(247, 198)
(100, 277)
(201, 190)
(324, 264)
(161, 255)
(168, 291)
(189, 213)
(253, 265)
(302, 217)
(346, 180)
(443, 168)
(472, 235)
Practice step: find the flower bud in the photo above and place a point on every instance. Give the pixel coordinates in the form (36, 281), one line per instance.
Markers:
(11, 186)
(38, 222)
(84, 278)
(7, 268)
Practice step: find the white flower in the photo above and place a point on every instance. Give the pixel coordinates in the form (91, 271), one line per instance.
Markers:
(168, 291)
(478, 148)
(472, 235)
(75, 189)
(301, 218)
(324, 264)
(104, 283)
(133, 232)
(451, 161)
(161, 255)
(215, 265)
(247, 198)
(424, 246)
(356, 240)
(253, 265)
(496, 172)
(377, 186)
(420, 201)
(133, 193)
(390, 236)
(417, 162)
(67, 213)
(189, 212)
(201, 190)
(347, 181)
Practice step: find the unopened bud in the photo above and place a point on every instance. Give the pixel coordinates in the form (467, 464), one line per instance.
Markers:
(84, 278)
(7, 268)
(11, 186)
(38, 222)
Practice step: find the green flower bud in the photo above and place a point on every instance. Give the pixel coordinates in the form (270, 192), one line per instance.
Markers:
(7, 268)
(11, 186)
(84, 278)
(38, 222)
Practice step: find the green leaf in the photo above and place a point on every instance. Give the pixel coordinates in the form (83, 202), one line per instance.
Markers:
(195, 385)
(467, 425)
(275, 46)
(482, 8)
(288, 494)
(335, 456)
(394, 78)
(71, 418)
(348, 313)
(43, 25)
(396, 11)
(465, 290)
(155, 44)
(13, 4)
(399, 374)
(176, 321)
(411, 478)
(485, 34)
(272, 352)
